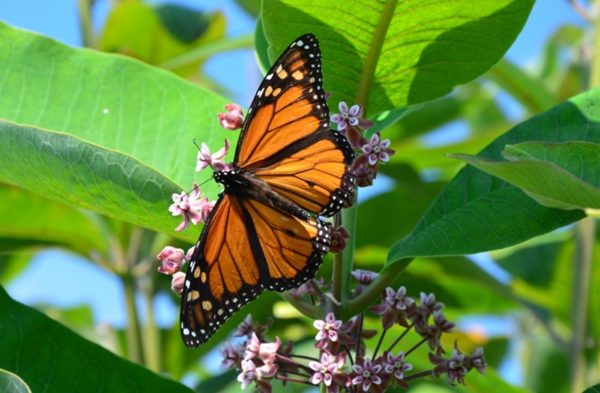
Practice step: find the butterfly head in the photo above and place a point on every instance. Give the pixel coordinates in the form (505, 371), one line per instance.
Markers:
(230, 178)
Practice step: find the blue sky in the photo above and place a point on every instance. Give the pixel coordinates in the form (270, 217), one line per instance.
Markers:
(50, 278)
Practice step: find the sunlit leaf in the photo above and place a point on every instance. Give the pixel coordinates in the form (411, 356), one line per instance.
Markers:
(477, 212)
(427, 47)
(560, 175)
(109, 104)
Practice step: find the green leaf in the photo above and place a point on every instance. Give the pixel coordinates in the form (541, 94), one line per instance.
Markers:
(593, 389)
(560, 175)
(262, 46)
(427, 46)
(29, 217)
(83, 174)
(477, 212)
(51, 358)
(411, 200)
(128, 112)
(11, 383)
(158, 34)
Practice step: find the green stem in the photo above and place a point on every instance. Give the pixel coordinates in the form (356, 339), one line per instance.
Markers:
(309, 310)
(374, 290)
(204, 51)
(368, 73)
(349, 220)
(85, 23)
(584, 235)
(133, 331)
(134, 339)
(152, 342)
(362, 97)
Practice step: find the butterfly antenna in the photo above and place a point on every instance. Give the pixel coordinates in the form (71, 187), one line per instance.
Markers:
(196, 144)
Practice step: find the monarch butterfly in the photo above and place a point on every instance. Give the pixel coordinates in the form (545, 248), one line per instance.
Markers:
(263, 232)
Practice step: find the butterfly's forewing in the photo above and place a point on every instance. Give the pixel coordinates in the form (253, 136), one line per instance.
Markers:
(286, 139)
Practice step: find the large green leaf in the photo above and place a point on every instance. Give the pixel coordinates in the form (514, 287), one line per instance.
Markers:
(560, 175)
(51, 358)
(477, 212)
(427, 46)
(108, 106)
(75, 172)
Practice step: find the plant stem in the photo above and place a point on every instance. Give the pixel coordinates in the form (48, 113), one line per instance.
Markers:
(204, 51)
(584, 235)
(400, 337)
(379, 342)
(362, 97)
(417, 345)
(374, 290)
(336, 275)
(151, 331)
(349, 220)
(421, 374)
(309, 310)
(368, 72)
(134, 339)
(85, 23)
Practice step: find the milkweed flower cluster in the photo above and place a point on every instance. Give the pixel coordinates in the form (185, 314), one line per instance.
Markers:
(341, 362)
(373, 151)
(193, 207)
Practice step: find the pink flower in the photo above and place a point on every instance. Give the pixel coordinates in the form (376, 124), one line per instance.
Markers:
(364, 277)
(377, 150)
(328, 329)
(177, 282)
(396, 365)
(171, 260)
(440, 325)
(477, 360)
(394, 307)
(363, 172)
(215, 160)
(421, 313)
(233, 118)
(366, 374)
(308, 288)
(252, 372)
(263, 351)
(232, 355)
(453, 367)
(339, 236)
(192, 207)
(325, 369)
(350, 116)
(190, 251)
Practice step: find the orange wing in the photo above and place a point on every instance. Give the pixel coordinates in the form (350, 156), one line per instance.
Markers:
(246, 247)
(286, 140)
(292, 248)
(223, 273)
